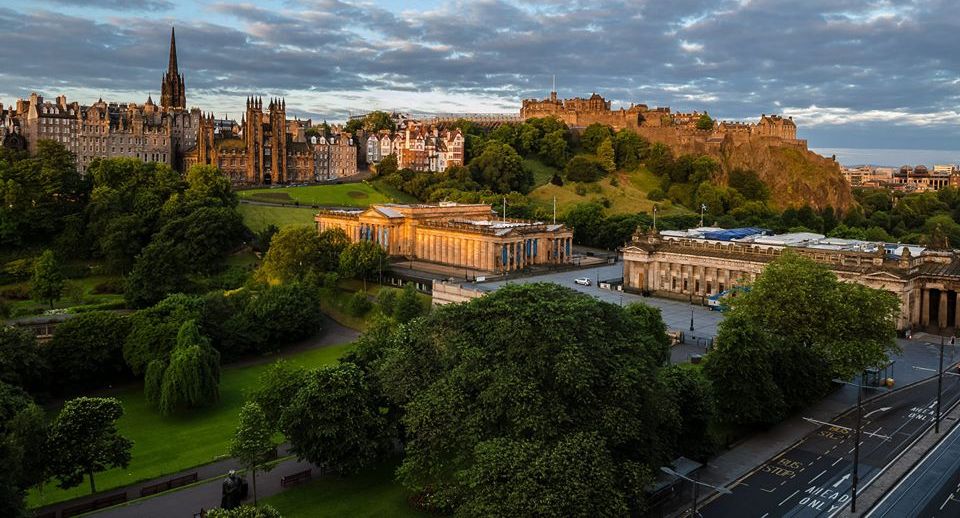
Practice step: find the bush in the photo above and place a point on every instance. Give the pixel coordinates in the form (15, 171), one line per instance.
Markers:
(358, 304)
(86, 351)
(387, 301)
(583, 168)
(108, 287)
(556, 180)
(580, 189)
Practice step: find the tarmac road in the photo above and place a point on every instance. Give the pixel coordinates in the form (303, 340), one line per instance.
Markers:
(813, 477)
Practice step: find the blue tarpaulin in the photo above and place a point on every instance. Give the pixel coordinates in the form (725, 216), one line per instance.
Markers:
(733, 233)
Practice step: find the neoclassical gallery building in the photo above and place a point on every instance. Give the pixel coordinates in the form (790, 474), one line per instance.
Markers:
(697, 263)
(455, 234)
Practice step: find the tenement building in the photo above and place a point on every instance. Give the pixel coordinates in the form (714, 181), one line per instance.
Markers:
(144, 132)
(697, 263)
(417, 146)
(462, 235)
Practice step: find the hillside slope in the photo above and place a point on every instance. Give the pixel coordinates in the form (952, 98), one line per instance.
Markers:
(628, 197)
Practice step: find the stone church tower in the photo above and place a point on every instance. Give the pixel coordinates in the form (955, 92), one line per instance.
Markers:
(173, 94)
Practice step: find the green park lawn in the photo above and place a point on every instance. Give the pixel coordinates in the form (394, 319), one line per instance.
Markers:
(371, 494)
(77, 294)
(259, 217)
(165, 445)
(339, 195)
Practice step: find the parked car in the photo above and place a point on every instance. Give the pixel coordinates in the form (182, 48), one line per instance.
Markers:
(583, 281)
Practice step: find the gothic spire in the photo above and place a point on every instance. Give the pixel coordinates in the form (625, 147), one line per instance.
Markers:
(172, 66)
(173, 94)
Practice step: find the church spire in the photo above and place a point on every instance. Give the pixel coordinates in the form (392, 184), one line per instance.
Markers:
(173, 94)
(172, 66)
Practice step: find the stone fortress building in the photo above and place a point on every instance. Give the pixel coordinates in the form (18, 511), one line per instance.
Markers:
(658, 124)
(697, 263)
(454, 234)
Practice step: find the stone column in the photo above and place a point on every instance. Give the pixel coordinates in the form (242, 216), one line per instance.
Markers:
(925, 307)
(942, 310)
(914, 298)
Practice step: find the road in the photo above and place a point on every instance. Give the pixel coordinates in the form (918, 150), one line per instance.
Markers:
(931, 489)
(813, 477)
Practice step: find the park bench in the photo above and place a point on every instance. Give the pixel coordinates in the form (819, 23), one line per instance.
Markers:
(168, 484)
(51, 514)
(296, 478)
(93, 505)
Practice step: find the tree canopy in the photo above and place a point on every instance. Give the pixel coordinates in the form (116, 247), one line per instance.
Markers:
(84, 440)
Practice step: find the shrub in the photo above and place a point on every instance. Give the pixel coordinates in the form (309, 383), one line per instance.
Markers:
(86, 351)
(556, 180)
(583, 168)
(580, 189)
(656, 195)
(358, 304)
(387, 300)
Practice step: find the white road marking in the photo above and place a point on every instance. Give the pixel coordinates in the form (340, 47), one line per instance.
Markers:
(787, 498)
(837, 461)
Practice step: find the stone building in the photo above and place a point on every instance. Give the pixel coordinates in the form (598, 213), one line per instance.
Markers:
(417, 146)
(145, 132)
(698, 263)
(461, 235)
(335, 156)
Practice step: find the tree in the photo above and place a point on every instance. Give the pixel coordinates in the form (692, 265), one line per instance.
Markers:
(594, 135)
(607, 156)
(334, 420)
(284, 313)
(553, 148)
(253, 442)
(192, 377)
(660, 159)
(583, 168)
(630, 149)
(496, 396)
(361, 259)
(153, 331)
(692, 394)
(277, 386)
(748, 183)
(21, 361)
(84, 440)
(501, 169)
(298, 251)
(47, 283)
(585, 219)
(22, 449)
(387, 165)
(705, 123)
(376, 121)
(207, 182)
(408, 305)
(87, 350)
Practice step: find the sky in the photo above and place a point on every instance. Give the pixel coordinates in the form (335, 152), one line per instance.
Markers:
(853, 74)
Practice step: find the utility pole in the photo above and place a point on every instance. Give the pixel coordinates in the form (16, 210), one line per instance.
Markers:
(654, 217)
(856, 448)
(703, 208)
(936, 423)
(554, 210)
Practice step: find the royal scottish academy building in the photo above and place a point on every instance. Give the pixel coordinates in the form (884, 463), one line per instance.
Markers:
(697, 263)
(454, 234)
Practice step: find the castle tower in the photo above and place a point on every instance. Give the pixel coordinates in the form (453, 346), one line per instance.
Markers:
(253, 139)
(173, 94)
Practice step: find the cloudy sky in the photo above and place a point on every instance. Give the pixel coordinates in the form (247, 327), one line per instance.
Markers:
(866, 74)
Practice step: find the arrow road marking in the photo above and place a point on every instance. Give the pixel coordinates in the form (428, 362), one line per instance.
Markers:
(884, 409)
(842, 480)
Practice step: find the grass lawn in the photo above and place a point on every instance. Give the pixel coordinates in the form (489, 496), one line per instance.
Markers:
(340, 195)
(164, 445)
(628, 197)
(371, 494)
(542, 173)
(259, 217)
(392, 192)
(77, 292)
(335, 305)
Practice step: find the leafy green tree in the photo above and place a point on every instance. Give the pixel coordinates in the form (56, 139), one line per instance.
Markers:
(284, 314)
(585, 379)
(87, 350)
(607, 156)
(705, 123)
(585, 219)
(748, 183)
(660, 159)
(387, 165)
(207, 182)
(22, 449)
(553, 148)
(594, 135)
(408, 305)
(153, 331)
(358, 304)
(191, 379)
(276, 387)
(47, 283)
(298, 251)
(693, 395)
(376, 121)
(253, 443)
(528, 139)
(21, 361)
(84, 440)
(387, 301)
(941, 231)
(583, 168)
(630, 149)
(362, 259)
(740, 370)
(505, 133)
(334, 420)
(501, 169)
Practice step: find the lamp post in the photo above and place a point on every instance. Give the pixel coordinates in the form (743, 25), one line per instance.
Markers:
(691, 319)
(696, 487)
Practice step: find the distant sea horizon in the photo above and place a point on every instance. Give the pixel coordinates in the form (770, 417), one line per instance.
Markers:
(890, 157)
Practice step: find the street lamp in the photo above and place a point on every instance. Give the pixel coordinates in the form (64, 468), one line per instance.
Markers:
(696, 487)
(940, 373)
(691, 319)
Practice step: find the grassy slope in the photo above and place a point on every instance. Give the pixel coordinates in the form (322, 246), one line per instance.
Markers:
(168, 445)
(542, 173)
(371, 494)
(629, 197)
(341, 195)
(258, 217)
(391, 192)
